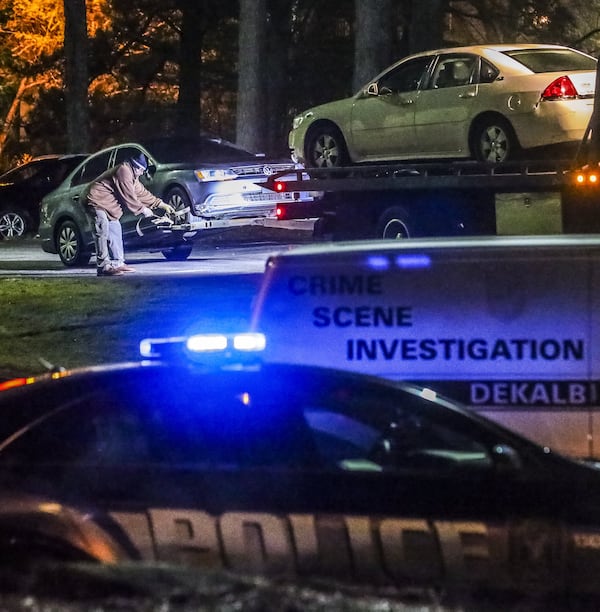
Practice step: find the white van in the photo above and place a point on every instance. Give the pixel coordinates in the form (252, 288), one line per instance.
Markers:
(509, 326)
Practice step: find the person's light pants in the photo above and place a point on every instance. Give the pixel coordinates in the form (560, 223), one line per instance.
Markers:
(108, 236)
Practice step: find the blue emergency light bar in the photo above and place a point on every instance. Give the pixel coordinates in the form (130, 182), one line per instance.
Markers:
(211, 343)
(225, 348)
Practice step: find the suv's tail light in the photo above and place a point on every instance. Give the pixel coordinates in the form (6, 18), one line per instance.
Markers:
(560, 89)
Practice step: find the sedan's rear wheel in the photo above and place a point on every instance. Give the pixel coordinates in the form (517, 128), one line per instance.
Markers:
(494, 140)
(13, 225)
(71, 248)
(326, 148)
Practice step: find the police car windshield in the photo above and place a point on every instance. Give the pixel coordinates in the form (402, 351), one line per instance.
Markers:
(197, 150)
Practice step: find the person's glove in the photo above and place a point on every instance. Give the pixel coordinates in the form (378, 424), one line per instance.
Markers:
(167, 208)
(147, 212)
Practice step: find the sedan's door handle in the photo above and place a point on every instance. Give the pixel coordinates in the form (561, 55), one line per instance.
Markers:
(467, 94)
(75, 198)
(406, 101)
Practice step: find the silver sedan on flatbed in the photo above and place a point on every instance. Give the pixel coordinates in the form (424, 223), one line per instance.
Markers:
(485, 102)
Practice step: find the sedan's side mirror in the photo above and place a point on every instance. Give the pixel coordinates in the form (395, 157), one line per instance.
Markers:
(506, 458)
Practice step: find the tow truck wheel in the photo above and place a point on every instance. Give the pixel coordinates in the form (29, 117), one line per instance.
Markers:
(179, 200)
(178, 253)
(493, 140)
(394, 224)
(326, 148)
(13, 225)
(71, 248)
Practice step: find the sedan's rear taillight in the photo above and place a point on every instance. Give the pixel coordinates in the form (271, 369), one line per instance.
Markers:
(560, 89)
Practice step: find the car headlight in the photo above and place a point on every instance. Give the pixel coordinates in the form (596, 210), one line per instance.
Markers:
(297, 122)
(212, 174)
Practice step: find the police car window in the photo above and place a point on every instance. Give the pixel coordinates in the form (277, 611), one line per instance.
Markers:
(389, 438)
(92, 430)
(137, 425)
(406, 77)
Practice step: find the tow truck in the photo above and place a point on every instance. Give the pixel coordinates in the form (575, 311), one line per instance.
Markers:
(439, 199)
(446, 199)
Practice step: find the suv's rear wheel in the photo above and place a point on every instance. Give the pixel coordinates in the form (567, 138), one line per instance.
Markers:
(71, 248)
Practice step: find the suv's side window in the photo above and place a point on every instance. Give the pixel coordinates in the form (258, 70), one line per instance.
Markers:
(93, 168)
(125, 153)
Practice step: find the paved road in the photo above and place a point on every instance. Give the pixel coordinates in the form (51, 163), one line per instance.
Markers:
(241, 253)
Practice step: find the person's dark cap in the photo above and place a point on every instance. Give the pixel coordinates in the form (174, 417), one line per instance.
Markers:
(139, 161)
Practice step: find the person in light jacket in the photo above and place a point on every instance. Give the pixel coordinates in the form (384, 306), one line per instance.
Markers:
(106, 198)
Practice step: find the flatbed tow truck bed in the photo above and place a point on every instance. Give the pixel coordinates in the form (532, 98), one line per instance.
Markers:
(437, 199)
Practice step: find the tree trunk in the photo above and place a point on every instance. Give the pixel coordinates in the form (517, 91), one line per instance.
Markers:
(76, 75)
(190, 69)
(278, 38)
(426, 25)
(373, 39)
(12, 113)
(251, 115)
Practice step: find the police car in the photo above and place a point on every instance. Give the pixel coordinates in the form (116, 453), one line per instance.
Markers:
(288, 471)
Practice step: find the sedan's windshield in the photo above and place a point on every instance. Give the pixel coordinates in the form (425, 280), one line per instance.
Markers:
(552, 60)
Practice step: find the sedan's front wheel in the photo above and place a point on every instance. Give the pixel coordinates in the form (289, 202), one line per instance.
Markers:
(179, 200)
(13, 225)
(71, 248)
(326, 148)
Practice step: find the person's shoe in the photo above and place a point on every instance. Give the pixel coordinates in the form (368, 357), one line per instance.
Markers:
(125, 268)
(109, 272)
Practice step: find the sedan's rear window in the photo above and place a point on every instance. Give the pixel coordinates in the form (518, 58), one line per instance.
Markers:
(196, 150)
(552, 60)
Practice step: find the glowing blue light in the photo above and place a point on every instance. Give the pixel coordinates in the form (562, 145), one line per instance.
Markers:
(378, 262)
(206, 343)
(249, 342)
(413, 261)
